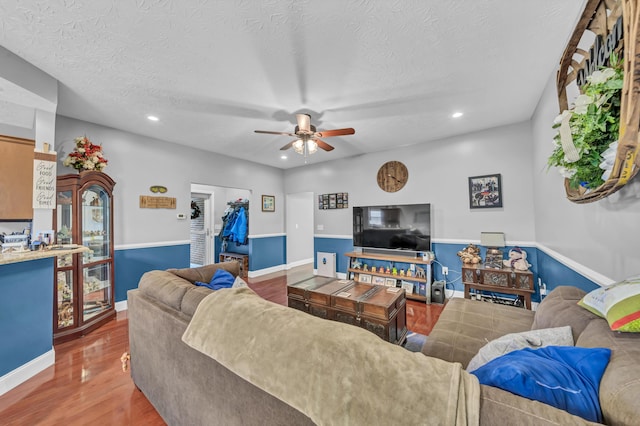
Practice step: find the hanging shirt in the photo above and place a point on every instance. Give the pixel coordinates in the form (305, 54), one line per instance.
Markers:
(238, 231)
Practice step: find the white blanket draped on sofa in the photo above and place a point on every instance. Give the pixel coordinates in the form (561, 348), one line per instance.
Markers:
(335, 373)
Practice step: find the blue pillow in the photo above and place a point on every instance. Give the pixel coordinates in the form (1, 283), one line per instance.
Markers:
(221, 279)
(566, 377)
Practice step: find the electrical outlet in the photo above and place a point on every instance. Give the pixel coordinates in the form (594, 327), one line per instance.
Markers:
(445, 270)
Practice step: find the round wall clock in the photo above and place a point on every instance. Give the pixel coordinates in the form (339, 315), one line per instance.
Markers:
(392, 176)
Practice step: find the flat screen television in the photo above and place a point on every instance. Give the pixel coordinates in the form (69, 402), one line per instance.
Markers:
(398, 227)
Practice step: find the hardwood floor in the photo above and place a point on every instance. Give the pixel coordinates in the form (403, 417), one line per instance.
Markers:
(87, 385)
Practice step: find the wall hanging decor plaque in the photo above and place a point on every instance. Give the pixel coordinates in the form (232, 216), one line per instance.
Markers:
(608, 29)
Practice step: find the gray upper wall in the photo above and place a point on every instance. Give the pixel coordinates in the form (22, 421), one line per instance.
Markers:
(602, 235)
(438, 174)
(138, 162)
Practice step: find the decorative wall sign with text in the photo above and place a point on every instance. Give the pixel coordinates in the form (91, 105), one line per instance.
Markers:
(44, 179)
(339, 200)
(150, 202)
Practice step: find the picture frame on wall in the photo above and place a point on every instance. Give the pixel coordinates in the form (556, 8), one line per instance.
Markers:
(268, 203)
(485, 191)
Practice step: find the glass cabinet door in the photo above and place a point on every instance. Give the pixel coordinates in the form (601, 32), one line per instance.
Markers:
(96, 294)
(96, 233)
(65, 299)
(95, 223)
(64, 219)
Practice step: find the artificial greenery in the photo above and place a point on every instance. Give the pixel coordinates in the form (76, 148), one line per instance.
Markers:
(594, 124)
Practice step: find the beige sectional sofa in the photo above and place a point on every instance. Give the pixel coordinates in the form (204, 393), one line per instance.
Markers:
(274, 365)
(466, 325)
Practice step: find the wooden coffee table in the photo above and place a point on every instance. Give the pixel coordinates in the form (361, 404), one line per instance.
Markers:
(379, 309)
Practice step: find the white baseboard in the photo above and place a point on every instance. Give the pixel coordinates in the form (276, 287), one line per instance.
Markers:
(265, 271)
(121, 306)
(27, 371)
(299, 263)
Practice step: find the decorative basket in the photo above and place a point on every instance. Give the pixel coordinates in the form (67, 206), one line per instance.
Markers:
(600, 17)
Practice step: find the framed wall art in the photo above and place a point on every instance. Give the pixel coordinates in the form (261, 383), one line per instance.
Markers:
(339, 200)
(268, 203)
(485, 191)
(390, 282)
(364, 278)
(378, 280)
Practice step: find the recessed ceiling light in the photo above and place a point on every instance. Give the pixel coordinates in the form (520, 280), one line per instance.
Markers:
(284, 157)
(456, 115)
(153, 118)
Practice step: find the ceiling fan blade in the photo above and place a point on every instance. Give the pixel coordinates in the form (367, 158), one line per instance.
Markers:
(336, 132)
(274, 133)
(304, 122)
(323, 145)
(287, 146)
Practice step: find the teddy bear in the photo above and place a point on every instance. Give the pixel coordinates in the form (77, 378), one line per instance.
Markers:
(470, 254)
(517, 259)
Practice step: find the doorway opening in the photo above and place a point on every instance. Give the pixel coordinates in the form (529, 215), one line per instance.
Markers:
(200, 230)
(299, 228)
(212, 203)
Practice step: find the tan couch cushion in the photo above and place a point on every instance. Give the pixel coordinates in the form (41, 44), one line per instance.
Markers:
(466, 325)
(165, 287)
(561, 308)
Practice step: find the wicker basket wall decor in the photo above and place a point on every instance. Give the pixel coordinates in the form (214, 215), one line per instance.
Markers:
(601, 17)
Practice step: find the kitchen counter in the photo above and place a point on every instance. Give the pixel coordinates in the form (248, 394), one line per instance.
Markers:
(25, 256)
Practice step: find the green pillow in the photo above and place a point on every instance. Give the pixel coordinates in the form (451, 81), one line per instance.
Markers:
(619, 303)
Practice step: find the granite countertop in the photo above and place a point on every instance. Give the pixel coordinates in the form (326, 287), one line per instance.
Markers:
(25, 256)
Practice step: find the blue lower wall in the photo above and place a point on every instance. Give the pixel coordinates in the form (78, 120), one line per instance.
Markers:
(270, 252)
(26, 312)
(339, 246)
(267, 252)
(130, 264)
(554, 274)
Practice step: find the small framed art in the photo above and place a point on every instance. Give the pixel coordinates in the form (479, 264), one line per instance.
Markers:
(364, 278)
(485, 191)
(378, 280)
(390, 282)
(268, 203)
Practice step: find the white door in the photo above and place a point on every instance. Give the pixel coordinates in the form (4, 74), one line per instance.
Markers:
(299, 228)
(201, 229)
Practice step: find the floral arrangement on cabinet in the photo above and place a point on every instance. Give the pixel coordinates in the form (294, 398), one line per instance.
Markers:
(86, 156)
(587, 138)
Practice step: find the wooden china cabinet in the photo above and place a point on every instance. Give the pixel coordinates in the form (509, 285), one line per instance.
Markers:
(83, 282)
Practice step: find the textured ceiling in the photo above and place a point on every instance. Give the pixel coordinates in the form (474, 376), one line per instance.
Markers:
(214, 71)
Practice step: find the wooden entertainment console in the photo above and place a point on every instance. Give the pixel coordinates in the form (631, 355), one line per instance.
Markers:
(421, 283)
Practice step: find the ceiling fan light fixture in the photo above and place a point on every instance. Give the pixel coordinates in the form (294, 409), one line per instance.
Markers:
(298, 146)
(312, 146)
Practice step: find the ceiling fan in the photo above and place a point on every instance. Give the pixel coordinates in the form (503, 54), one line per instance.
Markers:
(307, 138)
